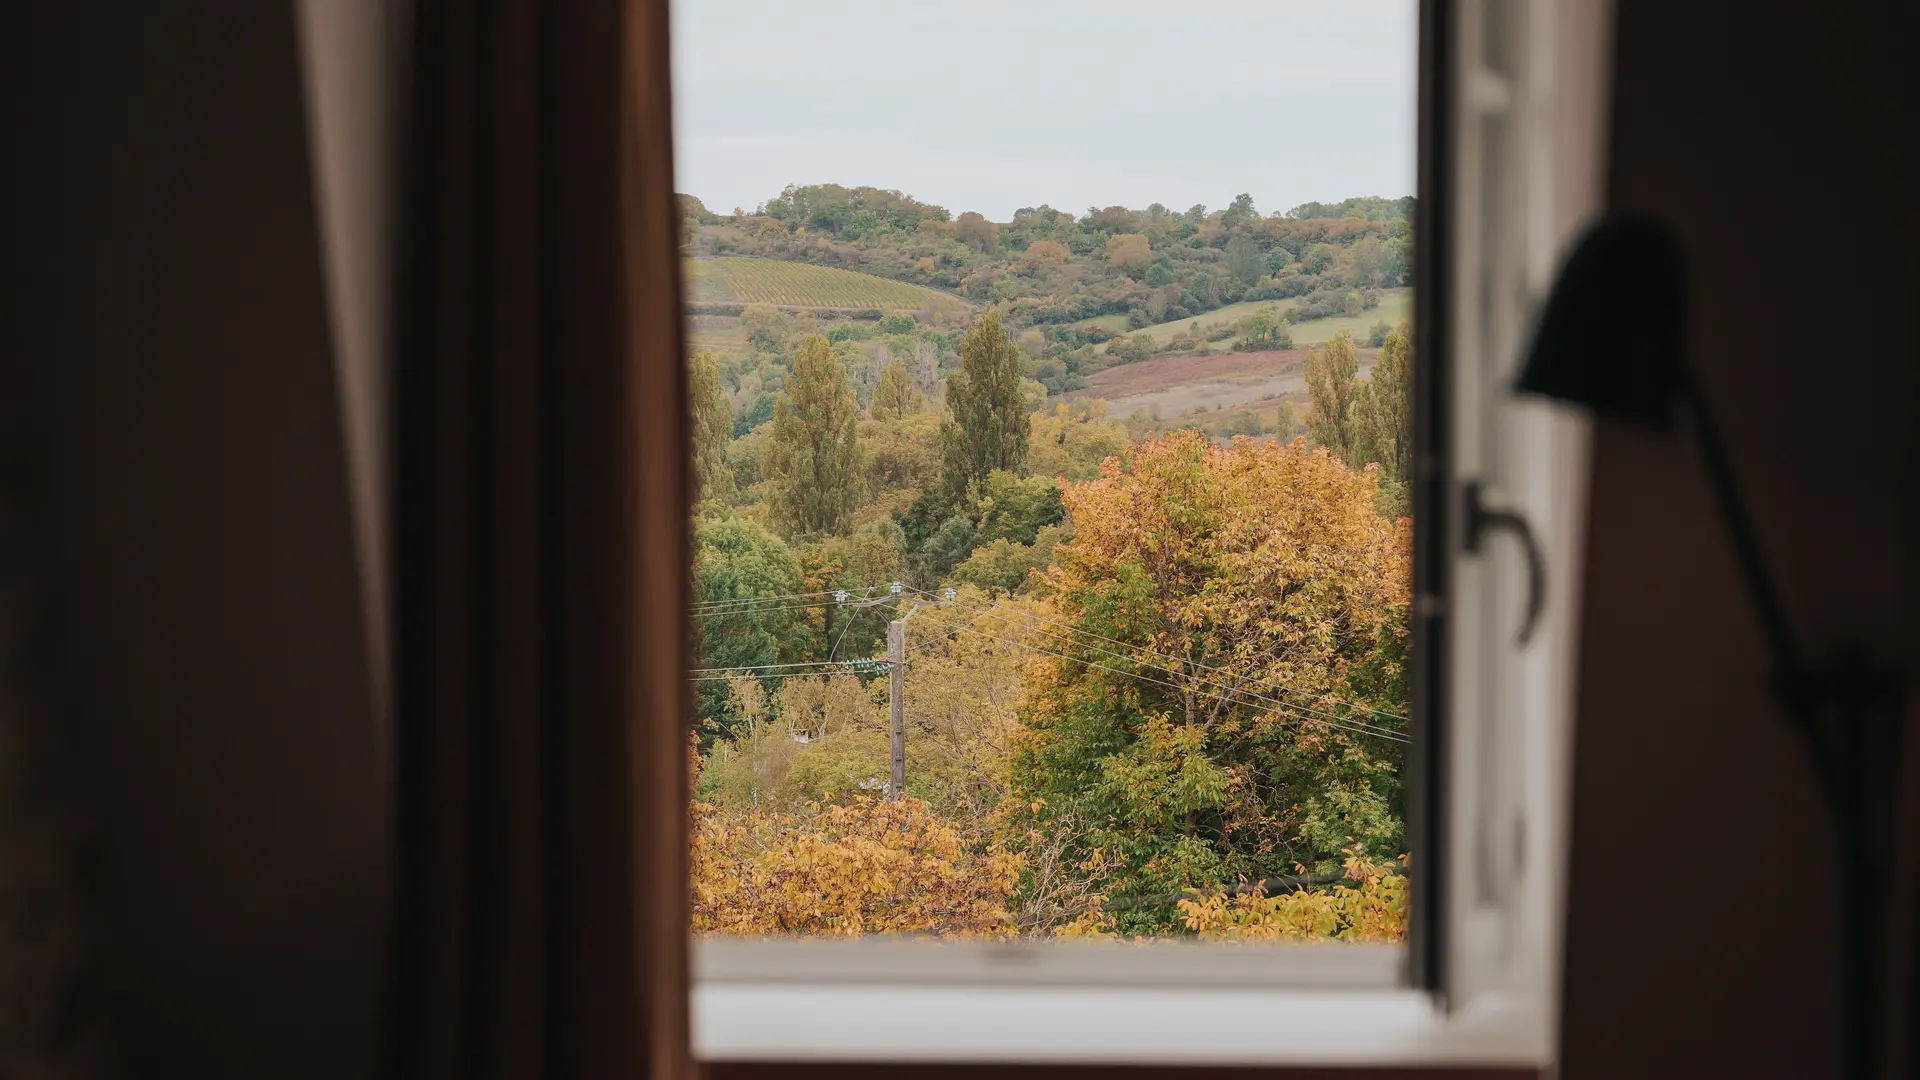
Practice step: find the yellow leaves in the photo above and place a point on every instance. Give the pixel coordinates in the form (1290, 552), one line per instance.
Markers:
(866, 867)
(1373, 908)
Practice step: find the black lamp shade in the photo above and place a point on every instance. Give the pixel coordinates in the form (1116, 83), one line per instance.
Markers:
(1609, 336)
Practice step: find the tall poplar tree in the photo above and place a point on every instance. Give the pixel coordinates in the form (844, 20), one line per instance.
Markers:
(814, 454)
(712, 429)
(987, 424)
(1330, 378)
(1383, 410)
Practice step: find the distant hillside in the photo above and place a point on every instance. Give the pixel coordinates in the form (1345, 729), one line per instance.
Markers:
(1392, 306)
(1055, 270)
(801, 286)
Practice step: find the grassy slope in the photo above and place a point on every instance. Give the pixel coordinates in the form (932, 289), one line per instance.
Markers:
(798, 285)
(1395, 304)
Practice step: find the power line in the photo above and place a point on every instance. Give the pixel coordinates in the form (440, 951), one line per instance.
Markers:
(1176, 659)
(759, 610)
(764, 599)
(1300, 712)
(765, 667)
(843, 594)
(781, 674)
(759, 605)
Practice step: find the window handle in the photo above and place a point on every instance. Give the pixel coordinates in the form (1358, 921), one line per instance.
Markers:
(1483, 519)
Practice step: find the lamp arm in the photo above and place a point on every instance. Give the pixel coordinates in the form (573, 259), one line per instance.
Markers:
(1761, 590)
(1847, 711)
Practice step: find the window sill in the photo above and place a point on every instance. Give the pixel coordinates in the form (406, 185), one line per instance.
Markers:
(1137, 1006)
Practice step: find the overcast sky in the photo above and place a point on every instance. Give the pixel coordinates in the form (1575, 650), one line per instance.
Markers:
(991, 105)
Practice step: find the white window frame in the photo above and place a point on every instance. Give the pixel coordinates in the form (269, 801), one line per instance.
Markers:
(1493, 996)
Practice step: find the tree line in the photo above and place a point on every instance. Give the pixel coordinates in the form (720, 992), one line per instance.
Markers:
(1053, 267)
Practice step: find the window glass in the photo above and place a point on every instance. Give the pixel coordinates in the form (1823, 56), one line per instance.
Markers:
(1051, 372)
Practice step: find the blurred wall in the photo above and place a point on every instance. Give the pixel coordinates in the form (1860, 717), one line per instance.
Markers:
(1704, 897)
(201, 611)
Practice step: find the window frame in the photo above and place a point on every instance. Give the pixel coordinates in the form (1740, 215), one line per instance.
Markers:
(1421, 1003)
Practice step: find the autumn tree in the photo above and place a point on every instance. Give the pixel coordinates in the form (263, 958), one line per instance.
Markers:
(1129, 251)
(712, 429)
(1330, 375)
(1042, 254)
(975, 231)
(896, 396)
(987, 424)
(814, 454)
(1224, 700)
(867, 867)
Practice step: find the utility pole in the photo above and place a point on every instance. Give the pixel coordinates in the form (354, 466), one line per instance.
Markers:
(897, 693)
(897, 705)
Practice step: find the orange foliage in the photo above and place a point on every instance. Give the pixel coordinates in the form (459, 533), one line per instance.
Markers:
(864, 867)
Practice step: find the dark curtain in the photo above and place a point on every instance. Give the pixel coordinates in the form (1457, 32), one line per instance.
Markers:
(542, 552)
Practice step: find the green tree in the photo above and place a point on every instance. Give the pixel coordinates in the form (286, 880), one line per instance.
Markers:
(712, 429)
(949, 544)
(1264, 330)
(1003, 566)
(987, 422)
(1330, 378)
(896, 396)
(1244, 260)
(815, 457)
(1239, 212)
(1016, 508)
(735, 562)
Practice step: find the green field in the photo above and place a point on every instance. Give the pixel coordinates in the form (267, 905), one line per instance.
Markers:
(1115, 324)
(799, 285)
(1395, 304)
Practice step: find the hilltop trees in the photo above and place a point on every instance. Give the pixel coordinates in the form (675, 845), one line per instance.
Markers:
(976, 231)
(814, 454)
(987, 421)
(1048, 267)
(1330, 375)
